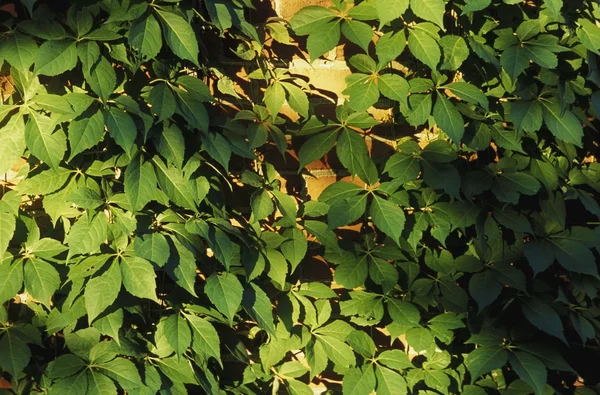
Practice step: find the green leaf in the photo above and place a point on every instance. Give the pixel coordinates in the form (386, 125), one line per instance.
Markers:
(122, 129)
(139, 278)
(296, 98)
(589, 35)
(403, 167)
(455, 51)
(15, 352)
(358, 32)
(363, 91)
(258, 305)
(86, 198)
(351, 273)
(296, 387)
(543, 317)
(310, 19)
(12, 142)
(337, 351)
(101, 291)
(145, 36)
(41, 280)
(476, 5)
(323, 40)
(383, 273)
(563, 125)
(84, 132)
(390, 382)
(45, 182)
(178, 333)
(192, 109)
(424, 47)
(538, 254)
(261, 203)
(102, 78)
(171, 145)
(389, 10)
(575, 257)
(395, 359)
(403, 313)
(514, 60)
(530, 369)
(55, 57)
(346, 211)
(11, 275)
(448, 118)
(179, 36)
(205, 340)
(140, 183)
(542, 56)
(315, 147)
(388, 217)
(175, 185)
(163, 102)
(359, 381)
(152, 247)
(295, 248)
(123, 371)
(43, 141)
(287, 207)
(484, 288)
(274, 98)
(225, 292)
(20, 51)
(394, 87)
(218, 148)
(430, 10)
(339, 191)
(484, 359)
(87, 235)
(469, 93)
(420, 339)
(353, 153)
(7, 229)
(390, 46)
(110, 324)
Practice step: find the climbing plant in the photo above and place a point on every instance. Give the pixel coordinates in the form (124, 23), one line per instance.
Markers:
(148, 243)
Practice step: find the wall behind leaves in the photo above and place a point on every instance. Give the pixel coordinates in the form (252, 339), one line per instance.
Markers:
(151, 242)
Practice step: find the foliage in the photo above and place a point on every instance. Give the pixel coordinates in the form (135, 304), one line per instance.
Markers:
(148, 245)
